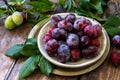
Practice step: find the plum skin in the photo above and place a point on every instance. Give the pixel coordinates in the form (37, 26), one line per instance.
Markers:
(72, 40)
(9, 24)
(17, 18)
(63, 53)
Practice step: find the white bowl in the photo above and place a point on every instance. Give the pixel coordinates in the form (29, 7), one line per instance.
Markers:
(82, 62)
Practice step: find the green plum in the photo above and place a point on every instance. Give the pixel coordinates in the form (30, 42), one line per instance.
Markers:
(17, 18)
(9, 24)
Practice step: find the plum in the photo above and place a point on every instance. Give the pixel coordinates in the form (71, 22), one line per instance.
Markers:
(84, 41)
(9, 24)
(116, 40)
(65, 25)
(72, 40)
(115, 58)
(58, 33)
(55, 19)
(17, 18)
(63, 53)
(90, 52)
(90, 31)
(51, 46)
(70, 17)
(81, 23)
(75, 54)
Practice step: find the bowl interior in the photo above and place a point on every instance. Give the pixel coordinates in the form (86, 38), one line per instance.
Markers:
(82, 62)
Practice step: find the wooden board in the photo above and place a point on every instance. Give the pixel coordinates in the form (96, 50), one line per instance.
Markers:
(8, 39)
(9, 68)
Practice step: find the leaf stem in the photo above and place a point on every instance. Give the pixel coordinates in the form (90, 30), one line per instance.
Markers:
(11, 9)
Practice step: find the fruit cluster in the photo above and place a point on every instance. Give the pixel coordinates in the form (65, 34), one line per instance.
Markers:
(115, 56)
(15, 19)
(71, 38)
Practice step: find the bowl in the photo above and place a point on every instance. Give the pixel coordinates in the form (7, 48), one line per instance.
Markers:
(82, 62)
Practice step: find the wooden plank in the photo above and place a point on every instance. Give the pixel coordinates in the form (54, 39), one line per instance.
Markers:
(105, 72)
(114, 7)
(8, 39)
(36, 75)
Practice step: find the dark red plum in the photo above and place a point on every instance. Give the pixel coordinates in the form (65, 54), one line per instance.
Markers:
(70, 18)
(90, 31)
(98, 29)
(81, 23)
(84, 41)
(115, 58)
(51, 30)
(59, 34)
(72, 40)
(51, 46)
(95, 42)
(116, 40)
(65, 25)
(90, 52)
(75, 54)
(63, 53)
(47, 37)
(55, 19)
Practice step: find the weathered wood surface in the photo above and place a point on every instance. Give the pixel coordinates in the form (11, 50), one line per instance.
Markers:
(114, 7)
(9, 67)
(8, 39)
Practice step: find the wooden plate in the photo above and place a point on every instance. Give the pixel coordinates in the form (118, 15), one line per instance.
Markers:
(82, 62)
(74, 71)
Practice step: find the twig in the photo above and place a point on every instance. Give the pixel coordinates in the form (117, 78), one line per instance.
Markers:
(8, 5)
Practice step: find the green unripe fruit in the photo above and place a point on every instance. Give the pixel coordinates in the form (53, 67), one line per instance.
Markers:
(17, 18)
(9, 24)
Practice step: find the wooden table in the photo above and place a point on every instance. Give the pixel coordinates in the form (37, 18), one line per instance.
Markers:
(9, 68)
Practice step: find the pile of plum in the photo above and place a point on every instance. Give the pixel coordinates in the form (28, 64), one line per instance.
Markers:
(71, 38)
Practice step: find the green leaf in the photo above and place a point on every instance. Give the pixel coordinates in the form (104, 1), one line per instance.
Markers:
(1, 11)
(70, 4)
(103, 2)
(42, 5)
(31, 41)
(63, 3)
(97, 4)
(30, 47)
(15, 51)
(45, 66)
(111, 25)
(85, 4)
(112, 21)
(29, 66)
(4, 7)
(15, 1)
(112, 31)
(88, 14)
(42, 16)
(29, 50)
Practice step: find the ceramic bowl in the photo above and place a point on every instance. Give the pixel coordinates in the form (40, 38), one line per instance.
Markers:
(82, 62)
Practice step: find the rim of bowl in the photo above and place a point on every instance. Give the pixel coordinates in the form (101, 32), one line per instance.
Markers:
(57, 63)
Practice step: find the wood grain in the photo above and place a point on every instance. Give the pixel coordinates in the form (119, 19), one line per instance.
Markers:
(114, 7)
(8, 39)
(104, 72)
(36, 75)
